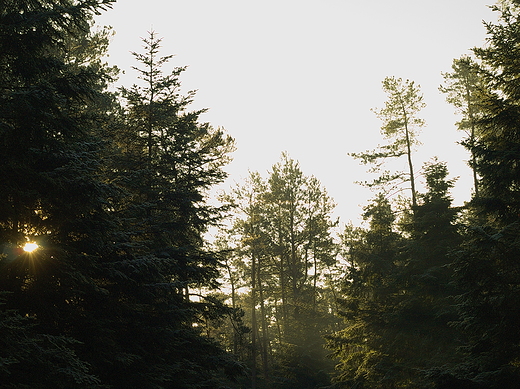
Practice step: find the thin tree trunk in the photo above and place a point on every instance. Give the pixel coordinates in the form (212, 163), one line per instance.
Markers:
(472, 140)
(233, 305)
(409, 155)
(265, 341)
(253, 322)
(315, 280)
(278, 326)
(282, 265)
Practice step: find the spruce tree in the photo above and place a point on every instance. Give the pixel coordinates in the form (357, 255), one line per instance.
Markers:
(425, 308)
(366, 301)
(397, 299)
(53, 192)
(487, 265)
(166, 164)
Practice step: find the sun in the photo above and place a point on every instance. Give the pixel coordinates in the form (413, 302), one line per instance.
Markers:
(30, 247)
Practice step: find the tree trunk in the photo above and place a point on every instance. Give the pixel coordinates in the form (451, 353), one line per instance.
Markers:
(233, 305)
(253, 322)
(265, 340)
(409, 155)
(472, 140)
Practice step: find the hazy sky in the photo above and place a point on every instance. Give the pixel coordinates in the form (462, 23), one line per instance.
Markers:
(301, 76)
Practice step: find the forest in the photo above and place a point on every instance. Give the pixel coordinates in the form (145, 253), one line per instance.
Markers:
(109, 278)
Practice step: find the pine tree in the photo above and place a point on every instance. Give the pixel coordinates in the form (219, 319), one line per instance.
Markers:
(400, 123)
(462, 86)
(284, 233)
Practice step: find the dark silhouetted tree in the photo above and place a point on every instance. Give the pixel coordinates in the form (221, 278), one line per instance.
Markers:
(397, 299)
(52, 192)
(167, 162)
(366, 300)
(487, 267)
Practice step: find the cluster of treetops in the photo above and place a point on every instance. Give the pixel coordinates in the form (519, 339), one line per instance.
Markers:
(126, 290)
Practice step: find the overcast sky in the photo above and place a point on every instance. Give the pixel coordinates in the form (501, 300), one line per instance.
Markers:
(301, 76)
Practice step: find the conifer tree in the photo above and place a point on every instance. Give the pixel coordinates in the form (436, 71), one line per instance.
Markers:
(167, 162)
(425, 309)
(463, 86)
(397, 300)
(366, 301)
(400, 123)
(52, 192)
(487, 265)
(284, 231)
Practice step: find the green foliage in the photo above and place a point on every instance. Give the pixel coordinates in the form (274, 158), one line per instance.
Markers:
(32, 360)
(166, 162)
(52, 191)
(116, 199)
(486, 265)
(397, 300)
(283, 249)
(118, 293)
(400, 123)
(404, 102)
(463, 87)
(367, 296)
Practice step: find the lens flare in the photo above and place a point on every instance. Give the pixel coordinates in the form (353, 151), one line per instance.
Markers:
(30, 247)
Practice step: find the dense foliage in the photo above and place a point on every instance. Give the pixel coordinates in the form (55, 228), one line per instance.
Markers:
(284, 253)
(115, 198)
(125, 290)
(435, 304)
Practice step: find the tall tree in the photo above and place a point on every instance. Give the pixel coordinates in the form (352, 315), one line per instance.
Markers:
(168, 161)
(53, 191)
(426, 306)
(397, 295)
(117, 206)
(299, 230)
(249, 199)
(400, 123)
(366, 300)
(487, 265)
(285, 229)
(462, 87)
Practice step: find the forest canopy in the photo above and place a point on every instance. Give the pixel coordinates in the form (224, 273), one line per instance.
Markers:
(110, 276)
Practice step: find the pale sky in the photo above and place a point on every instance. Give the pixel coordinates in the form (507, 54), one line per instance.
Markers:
(301, 76)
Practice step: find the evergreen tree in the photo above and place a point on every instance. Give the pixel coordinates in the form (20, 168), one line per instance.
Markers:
(367, 299)
(284, 235)
(400, 123)
(252, 263)
(487, 265)
(397, 299)
(52, 192)
(426, 306)
(166, 164)
(116, 206)
(462, 86)
(29, 359)
(299, 231)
